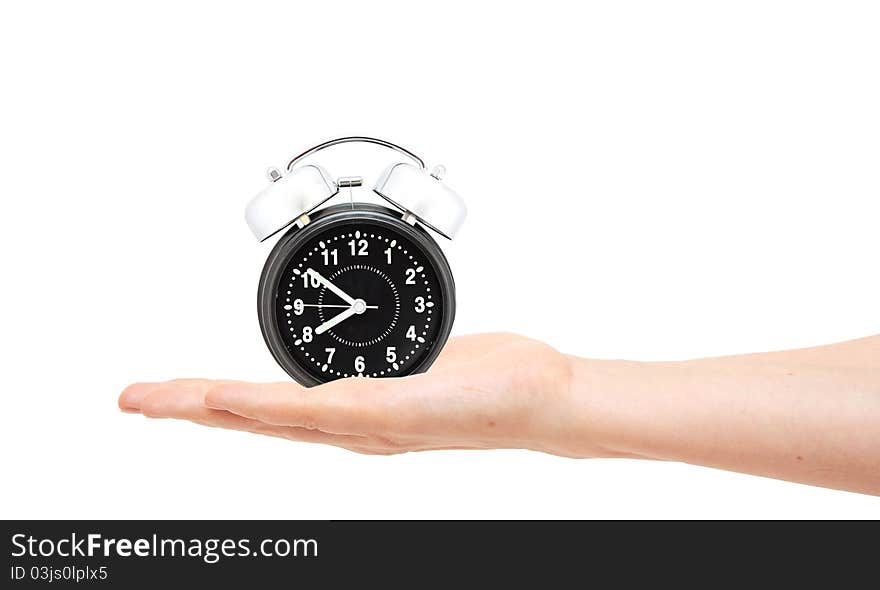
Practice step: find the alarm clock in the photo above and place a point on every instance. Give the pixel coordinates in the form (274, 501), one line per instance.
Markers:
(355, 289)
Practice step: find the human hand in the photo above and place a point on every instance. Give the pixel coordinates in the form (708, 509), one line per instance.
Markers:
(806, 415)
(485, 391)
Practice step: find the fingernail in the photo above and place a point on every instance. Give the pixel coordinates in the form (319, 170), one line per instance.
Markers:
(130, 399)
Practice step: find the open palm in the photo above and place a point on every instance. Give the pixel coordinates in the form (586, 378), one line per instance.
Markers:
(485, 391)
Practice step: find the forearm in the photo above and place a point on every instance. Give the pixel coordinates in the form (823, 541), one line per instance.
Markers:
(811, 416)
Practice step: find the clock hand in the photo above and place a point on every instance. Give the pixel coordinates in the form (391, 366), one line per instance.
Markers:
(358, 307)
(335, 320)
(342, 294)
(345, 306)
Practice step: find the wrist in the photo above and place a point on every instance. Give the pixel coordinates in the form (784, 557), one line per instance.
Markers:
(600, 407)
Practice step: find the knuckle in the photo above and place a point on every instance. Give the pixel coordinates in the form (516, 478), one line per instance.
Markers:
(214, 395)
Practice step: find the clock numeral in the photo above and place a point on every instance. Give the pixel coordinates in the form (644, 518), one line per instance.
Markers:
(330, 352)
(388, 254)
(391, 354)
(307, 334)
(410, 276)
(310, 278)
(411, 333)
(358, 247)
(328, 254)
(420, 304)
(298, 306)
(359, 365)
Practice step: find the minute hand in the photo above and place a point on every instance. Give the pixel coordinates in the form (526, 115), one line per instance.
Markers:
(342, 294)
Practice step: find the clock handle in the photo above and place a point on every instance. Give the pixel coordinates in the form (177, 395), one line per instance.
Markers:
(355, 139)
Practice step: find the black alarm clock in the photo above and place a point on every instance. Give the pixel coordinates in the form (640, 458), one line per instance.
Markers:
(355, 289)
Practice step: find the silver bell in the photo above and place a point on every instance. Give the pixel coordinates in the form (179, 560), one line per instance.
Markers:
(288, 198)
(414, 191)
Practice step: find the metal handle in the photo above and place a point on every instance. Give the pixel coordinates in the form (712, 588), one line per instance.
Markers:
(354, 139)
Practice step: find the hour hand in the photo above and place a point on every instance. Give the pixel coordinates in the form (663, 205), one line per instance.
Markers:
(336, 320)
(342, 294)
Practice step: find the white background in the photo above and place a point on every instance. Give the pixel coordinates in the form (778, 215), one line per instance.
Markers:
(689, 178)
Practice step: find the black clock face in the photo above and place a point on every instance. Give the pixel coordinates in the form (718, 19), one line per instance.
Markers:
(359, 298)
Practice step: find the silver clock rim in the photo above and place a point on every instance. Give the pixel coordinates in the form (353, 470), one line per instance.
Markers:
(295, 237)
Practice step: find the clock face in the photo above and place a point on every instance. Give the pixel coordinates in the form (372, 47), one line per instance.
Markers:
(359, 297)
